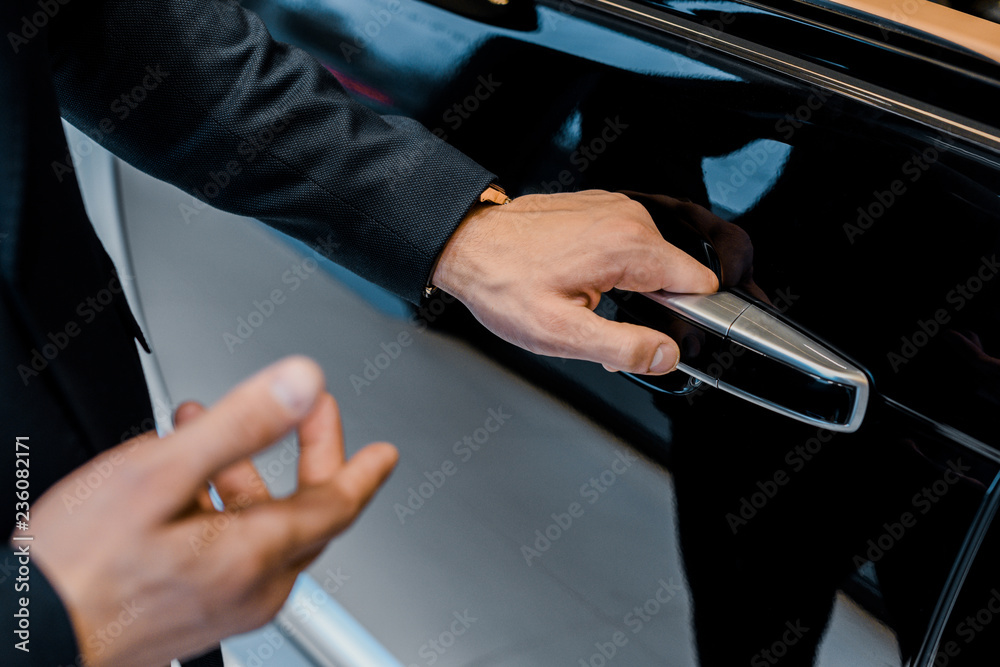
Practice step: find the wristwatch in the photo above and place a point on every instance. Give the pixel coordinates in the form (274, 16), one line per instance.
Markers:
(494, 194)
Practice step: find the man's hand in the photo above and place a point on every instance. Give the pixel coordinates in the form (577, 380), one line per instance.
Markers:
(532, 272)
(150, 571)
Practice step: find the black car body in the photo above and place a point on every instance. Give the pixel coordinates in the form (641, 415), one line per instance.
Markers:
(861, 160)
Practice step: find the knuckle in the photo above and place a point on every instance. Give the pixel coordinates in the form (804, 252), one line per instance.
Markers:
(632, 357)
(134, 474)
(552, 330)
(250, 424)
(253, 564)
(285, 533)
(616, 196)
(637, 231)
(618, 233)
(245, 423)
(354, 503)
(259, 558)
(349, 502)
(637, 208)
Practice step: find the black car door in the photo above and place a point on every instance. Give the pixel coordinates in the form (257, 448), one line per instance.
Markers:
(845, 173)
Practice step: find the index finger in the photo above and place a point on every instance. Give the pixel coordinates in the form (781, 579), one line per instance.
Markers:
(257, 413)
(664, 266)
(282, 531)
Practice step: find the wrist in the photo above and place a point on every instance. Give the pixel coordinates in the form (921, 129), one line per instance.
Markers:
(453, 270)
(447, 273)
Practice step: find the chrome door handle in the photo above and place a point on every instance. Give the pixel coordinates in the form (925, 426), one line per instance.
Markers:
(793, 374)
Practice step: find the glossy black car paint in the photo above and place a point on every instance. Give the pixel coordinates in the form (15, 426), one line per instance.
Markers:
(861, 162)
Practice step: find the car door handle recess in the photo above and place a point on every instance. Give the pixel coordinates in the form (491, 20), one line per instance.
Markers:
(783, 369)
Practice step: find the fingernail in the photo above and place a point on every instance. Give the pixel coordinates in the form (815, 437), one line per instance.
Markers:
(185, 412)
(663, 360)
(295, 386)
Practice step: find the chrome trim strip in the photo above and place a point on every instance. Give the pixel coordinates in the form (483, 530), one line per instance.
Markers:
(900, 105)
(716, 312)
(325, 632)
(98, 174)
(764, 333)
(850, 427)
(940, 24)
(698, 375)
(947, 432)
(927, 654)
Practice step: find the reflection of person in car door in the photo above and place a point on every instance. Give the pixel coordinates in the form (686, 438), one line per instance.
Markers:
(196, 93)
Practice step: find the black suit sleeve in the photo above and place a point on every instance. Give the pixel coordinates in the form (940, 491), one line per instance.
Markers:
(195, 92)
(51, 641)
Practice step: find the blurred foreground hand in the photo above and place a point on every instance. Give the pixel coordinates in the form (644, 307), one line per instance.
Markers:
(149, 542)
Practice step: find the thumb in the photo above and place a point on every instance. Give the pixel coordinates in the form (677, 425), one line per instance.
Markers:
(619, 345)
(187, 412)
